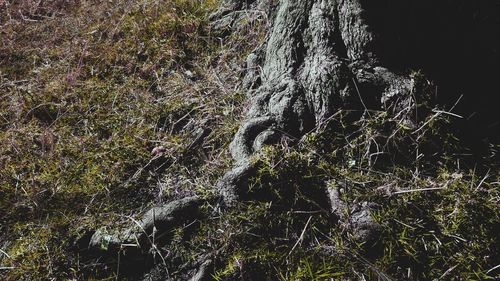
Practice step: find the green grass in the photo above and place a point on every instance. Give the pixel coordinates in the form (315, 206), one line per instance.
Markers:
(89, 89)
(447, 232)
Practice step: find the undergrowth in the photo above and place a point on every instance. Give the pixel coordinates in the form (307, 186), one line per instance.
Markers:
(105, 108)
(439, 219)
(109, 107)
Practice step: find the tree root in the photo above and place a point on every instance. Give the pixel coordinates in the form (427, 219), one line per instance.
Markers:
(154, 224)
(356, 217)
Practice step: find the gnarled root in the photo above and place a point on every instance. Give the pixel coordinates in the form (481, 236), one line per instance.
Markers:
(355, 217)
(153, 226)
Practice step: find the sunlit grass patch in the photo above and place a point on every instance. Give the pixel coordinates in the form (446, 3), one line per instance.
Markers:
(88, 91)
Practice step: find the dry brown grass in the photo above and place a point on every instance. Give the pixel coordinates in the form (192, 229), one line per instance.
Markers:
(88, 89)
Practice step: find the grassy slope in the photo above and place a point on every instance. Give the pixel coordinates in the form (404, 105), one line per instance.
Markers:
(89, 89)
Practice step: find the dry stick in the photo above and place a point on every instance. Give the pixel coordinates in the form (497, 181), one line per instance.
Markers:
(496, 267)
(118, 266)
(447, 272)
(185, 116)
(456, 103)
(5, 253)
(427, 122)
(448, 113)
(417, 190)
(482, 181)
(439, 112)
(301, 236)
(153, 245)
(360, 98)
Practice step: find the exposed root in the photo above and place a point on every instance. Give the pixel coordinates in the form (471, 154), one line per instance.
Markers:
(251, 136)
(154, 224)
(356, 217)
(203, 272)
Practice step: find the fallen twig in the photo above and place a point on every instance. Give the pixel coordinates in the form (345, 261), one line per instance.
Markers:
(417, 190)
(301, 236)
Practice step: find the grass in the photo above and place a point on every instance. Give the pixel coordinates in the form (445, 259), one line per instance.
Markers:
(438, 218)
(88, 91)
(107, 108)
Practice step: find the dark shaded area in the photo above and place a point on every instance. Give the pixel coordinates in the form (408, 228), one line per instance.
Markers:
(456, 44)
